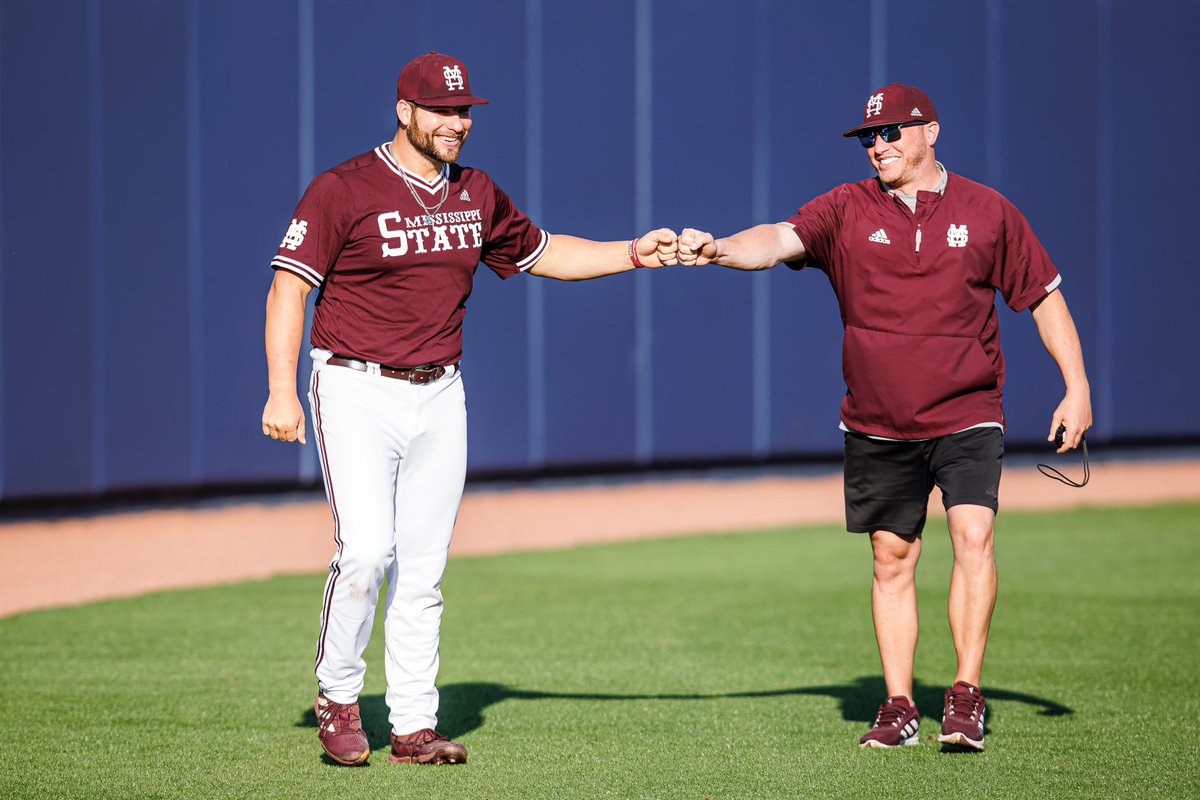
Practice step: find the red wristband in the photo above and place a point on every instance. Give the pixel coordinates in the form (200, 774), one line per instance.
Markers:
(633, 256)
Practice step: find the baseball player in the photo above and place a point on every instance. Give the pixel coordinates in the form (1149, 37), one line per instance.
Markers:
(391, 240)
(915, 257)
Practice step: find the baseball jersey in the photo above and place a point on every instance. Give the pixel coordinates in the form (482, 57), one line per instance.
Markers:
(921, 354)
(394, 255)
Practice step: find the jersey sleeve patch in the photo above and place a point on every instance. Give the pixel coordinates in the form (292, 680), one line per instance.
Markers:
(317, 231)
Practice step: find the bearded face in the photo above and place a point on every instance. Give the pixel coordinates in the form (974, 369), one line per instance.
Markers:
(439, 133)
(902, 163)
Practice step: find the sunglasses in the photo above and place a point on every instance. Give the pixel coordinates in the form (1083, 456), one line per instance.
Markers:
(890, 133)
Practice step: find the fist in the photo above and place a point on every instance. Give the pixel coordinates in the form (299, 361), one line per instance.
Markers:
(283, 419)
(696, 248)
(658, 248)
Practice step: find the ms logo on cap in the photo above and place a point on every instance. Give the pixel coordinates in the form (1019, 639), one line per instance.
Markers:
(436, 79)
(453, 76)
(889, 106)
(874, 105)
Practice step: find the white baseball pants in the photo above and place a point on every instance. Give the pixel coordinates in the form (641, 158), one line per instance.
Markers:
(394, 458)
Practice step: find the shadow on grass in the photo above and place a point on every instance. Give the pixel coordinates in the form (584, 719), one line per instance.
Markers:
(463, 705)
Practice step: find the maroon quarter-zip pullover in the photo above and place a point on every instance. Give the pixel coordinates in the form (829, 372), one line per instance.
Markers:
(921, 354)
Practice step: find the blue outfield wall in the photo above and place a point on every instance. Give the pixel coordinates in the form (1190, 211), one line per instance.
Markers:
(151, 152)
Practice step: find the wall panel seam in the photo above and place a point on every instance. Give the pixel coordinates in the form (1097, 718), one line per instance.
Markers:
(535, 291)
(195, 227)
(99, 282)
(643, 210)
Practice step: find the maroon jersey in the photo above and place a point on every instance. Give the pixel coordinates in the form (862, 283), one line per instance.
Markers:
(394, 277)
(921, 354)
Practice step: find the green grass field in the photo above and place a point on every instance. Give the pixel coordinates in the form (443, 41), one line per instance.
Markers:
(738, 666)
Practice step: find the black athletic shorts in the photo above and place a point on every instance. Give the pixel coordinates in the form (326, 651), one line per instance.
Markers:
(888, 483)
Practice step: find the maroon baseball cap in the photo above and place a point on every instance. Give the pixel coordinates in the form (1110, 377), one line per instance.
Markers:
(436, 79)
(893, 104)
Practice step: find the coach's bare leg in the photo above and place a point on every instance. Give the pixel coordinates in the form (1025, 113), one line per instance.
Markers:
(894, 607)
(972, 585)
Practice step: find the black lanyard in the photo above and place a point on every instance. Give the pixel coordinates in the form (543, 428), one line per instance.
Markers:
(1051, 472)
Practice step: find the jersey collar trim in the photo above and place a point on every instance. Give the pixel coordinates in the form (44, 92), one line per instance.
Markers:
(384, 151)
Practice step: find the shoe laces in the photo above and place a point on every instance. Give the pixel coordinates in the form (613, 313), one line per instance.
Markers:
(962, 704)
(889, 714)
(423, 736)
(337, 717)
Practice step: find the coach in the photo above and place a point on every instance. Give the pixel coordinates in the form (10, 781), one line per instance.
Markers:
(915, 257)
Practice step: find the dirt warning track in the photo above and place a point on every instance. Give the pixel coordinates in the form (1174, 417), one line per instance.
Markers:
(61, 562)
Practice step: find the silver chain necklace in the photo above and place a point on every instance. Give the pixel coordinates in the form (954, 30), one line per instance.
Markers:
(429, 210)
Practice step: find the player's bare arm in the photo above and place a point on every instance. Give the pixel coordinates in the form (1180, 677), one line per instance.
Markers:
(283, 416)
(569, 258)
(1061, 339)
(760, 247)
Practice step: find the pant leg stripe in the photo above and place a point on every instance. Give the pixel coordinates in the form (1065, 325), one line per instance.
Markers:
(334, 570)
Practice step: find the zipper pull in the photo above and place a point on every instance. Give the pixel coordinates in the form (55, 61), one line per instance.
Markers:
(918, 238)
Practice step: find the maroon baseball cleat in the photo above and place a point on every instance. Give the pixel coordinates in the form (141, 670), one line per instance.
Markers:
(963, 716)
(340, 731)
(426, 747)
(896, 724)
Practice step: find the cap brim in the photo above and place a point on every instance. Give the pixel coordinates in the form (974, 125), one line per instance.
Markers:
(882, 122)
(450, 101)
(866, 126)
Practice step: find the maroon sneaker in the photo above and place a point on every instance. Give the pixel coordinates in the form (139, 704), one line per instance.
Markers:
(340, 731)
(896, 724)
(963, 717)
(426, 747)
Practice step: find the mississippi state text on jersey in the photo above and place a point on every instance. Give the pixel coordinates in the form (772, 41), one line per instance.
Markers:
(394, 255)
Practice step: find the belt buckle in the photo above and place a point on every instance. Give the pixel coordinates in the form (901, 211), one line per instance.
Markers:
(426, 373)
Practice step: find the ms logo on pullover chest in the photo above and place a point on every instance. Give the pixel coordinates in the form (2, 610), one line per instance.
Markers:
(956, 236)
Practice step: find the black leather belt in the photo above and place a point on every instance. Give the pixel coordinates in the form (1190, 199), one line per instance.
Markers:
(426, 373)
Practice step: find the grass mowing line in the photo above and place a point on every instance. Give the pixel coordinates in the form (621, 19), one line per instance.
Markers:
(724, 667)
